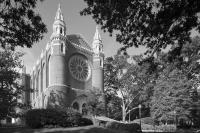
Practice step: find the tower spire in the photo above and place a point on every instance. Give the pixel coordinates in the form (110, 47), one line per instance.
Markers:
(97, 35)
(97, 42)
(59, 15)
(59, 26)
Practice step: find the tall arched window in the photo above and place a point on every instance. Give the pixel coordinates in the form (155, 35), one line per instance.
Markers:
(84, 109)
(47, 72)
(101, 62)
(43, 77)
(75, 106)
(61, 31)
(39, 81)
(62, 48)
(35, 86)
(57, 31)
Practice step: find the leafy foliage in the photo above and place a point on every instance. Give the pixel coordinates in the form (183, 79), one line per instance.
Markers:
(127, 83)
(178, 77)
(10, 87)
(95, 104)
(130, 127)
(85, 122)
(20, 25)
(38, 118)
(154, 23)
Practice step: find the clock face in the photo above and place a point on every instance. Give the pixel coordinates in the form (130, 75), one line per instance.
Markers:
(79, 68)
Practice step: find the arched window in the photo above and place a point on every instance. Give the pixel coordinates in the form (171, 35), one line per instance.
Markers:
(47, 71)
(39, 82)
(43, 77)
(35, 86)
(84, 109)
(57, 30)
(62, 48)
(101, 62)
(75, 106)
(61, 30)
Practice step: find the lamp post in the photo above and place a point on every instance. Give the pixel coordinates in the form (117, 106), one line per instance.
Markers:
(140, 106)
(175, 118)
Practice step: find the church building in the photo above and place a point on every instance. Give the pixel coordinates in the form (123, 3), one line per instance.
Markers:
(67, 68)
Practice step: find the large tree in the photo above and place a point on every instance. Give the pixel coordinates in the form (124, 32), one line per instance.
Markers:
(178, 78)
(10, 84)
(151, 23)
(127, 83)
(20, 25)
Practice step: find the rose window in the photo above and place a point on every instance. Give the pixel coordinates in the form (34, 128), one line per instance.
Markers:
(79, 68)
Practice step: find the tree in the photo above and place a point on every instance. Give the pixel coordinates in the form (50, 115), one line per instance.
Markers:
(178, 77)
(95, 103)
(155, 24)
(10, 88)
(123, 83)
(20, 25)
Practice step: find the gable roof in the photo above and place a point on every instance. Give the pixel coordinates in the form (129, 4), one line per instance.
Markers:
(78, 40)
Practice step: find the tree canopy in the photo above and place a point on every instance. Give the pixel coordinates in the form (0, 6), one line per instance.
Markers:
(20, 25)
(166, 83)
(151, 23)
(10, 86)
(178, 78)
(126, 83)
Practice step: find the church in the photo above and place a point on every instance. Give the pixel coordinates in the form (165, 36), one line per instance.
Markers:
(67, 68)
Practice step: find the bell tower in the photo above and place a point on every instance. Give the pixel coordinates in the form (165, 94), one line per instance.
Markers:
(57, 65)
(59, 26)
(98, 59)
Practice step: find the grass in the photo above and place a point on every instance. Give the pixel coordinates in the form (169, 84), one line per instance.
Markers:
(87, 129)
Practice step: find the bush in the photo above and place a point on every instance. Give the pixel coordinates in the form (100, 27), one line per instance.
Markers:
(85, 122)
(130, 127)
(38, 118)
(73, 117)
(147, 127)
(160, 128)
(166, 128)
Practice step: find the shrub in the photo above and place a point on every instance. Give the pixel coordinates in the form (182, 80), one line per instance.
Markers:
(147, 127)
(130, 127)
(32, 119)
(166, 128)
(85, 122)
(73, 117)
(38, 118)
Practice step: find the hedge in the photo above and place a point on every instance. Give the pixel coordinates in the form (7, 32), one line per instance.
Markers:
(85, 122)
(38, 118)
(130, 127)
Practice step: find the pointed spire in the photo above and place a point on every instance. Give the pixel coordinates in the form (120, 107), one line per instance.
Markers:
(59, 15)
(97, 35)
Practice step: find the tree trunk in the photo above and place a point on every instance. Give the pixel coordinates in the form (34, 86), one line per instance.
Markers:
(123, 112)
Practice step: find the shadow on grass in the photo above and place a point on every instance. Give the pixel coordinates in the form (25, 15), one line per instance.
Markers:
(88, 129)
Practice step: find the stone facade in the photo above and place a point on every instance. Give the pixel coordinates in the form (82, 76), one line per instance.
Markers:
(67, 68)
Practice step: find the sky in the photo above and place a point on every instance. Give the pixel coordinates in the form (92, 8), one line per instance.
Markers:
(75, 23)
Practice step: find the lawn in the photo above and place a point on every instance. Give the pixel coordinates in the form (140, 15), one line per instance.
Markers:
(87, 129)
